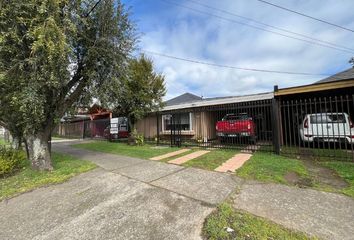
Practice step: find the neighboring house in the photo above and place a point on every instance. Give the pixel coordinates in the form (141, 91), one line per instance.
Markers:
(88, 122)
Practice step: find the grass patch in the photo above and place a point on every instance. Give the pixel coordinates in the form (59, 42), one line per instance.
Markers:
(2, 141)
(271, 168)
(245, 226)
(27, 179)
(317, 154)
(211, 160)
(145, 152)
(346, 171)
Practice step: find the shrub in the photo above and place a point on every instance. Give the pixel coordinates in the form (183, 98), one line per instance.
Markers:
(138, 138)
(11, 160)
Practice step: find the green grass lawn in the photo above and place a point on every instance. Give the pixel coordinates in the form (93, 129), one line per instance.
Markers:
(145, 152)
(27, 179)
(270, 167)
(346, 171)
(245, 226)
(211, 160)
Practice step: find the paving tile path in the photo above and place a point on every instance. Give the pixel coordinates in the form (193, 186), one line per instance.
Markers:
(188, 157)
(171, 154)
(234, 163)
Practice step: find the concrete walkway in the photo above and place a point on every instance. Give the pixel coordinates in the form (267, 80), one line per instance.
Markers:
(326, 215)
(125, 198)
(129, 198)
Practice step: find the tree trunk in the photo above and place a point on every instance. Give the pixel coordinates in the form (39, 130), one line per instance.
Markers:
(16, 142)
(39, 152)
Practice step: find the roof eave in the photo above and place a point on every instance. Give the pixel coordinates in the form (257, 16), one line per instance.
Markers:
(315, 87)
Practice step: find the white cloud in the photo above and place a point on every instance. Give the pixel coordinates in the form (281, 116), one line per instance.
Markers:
(183, 33)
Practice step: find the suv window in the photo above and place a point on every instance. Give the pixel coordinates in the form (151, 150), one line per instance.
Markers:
(328, 118)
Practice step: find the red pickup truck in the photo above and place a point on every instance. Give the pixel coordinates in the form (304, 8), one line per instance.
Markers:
(236, 125)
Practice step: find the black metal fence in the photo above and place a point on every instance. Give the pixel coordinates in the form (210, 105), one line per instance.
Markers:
(318, 128)
(312, 128)
(309, 128)
(246, 126)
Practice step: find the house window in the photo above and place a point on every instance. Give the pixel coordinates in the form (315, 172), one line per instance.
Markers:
(181, 121)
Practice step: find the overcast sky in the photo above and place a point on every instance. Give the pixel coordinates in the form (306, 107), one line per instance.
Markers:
(181, 32)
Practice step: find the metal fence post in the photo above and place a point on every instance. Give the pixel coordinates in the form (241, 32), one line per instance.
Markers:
(83, 129)
(157, 129)
(276, 124)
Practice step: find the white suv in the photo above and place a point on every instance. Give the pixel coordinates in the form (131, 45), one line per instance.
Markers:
(327, 127)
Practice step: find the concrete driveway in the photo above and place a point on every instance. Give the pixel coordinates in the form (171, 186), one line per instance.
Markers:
(125, 198)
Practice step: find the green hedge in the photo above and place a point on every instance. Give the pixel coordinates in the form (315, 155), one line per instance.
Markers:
(11, 160)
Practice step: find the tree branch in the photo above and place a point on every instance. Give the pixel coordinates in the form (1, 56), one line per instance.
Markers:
(2, 123)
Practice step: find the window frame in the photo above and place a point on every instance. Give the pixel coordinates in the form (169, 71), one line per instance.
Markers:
(163, 127)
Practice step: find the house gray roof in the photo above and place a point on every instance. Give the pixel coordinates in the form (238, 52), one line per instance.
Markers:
(184, 98)
(345, 75)
(219, 101)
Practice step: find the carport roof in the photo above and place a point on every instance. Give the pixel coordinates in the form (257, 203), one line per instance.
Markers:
(219, 101)
(342, 79)
(344, 75)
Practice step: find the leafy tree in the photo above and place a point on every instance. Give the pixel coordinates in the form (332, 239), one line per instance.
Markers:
(53, 54)
(141, 90)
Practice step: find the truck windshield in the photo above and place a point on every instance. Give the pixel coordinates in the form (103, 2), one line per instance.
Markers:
(236, 117)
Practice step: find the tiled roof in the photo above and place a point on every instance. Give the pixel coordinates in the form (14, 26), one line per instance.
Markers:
(184, 98)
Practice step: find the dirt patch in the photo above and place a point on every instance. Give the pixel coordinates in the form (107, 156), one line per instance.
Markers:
(294, 179)
(324, 176)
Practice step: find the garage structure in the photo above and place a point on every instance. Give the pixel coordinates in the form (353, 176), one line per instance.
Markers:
(316, 120)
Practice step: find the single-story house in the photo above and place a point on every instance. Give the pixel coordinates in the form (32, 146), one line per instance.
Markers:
(193, 118)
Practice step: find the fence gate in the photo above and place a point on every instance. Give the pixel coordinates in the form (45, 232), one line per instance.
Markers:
(176, 130)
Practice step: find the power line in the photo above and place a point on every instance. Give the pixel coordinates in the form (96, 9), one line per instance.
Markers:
(305, 15)
(93, 8)
(232, 67)
(252, 26)
(268, 25)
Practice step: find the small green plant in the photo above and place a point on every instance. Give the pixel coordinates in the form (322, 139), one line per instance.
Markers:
(199, 139)
(11, 160)
(138, 138)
